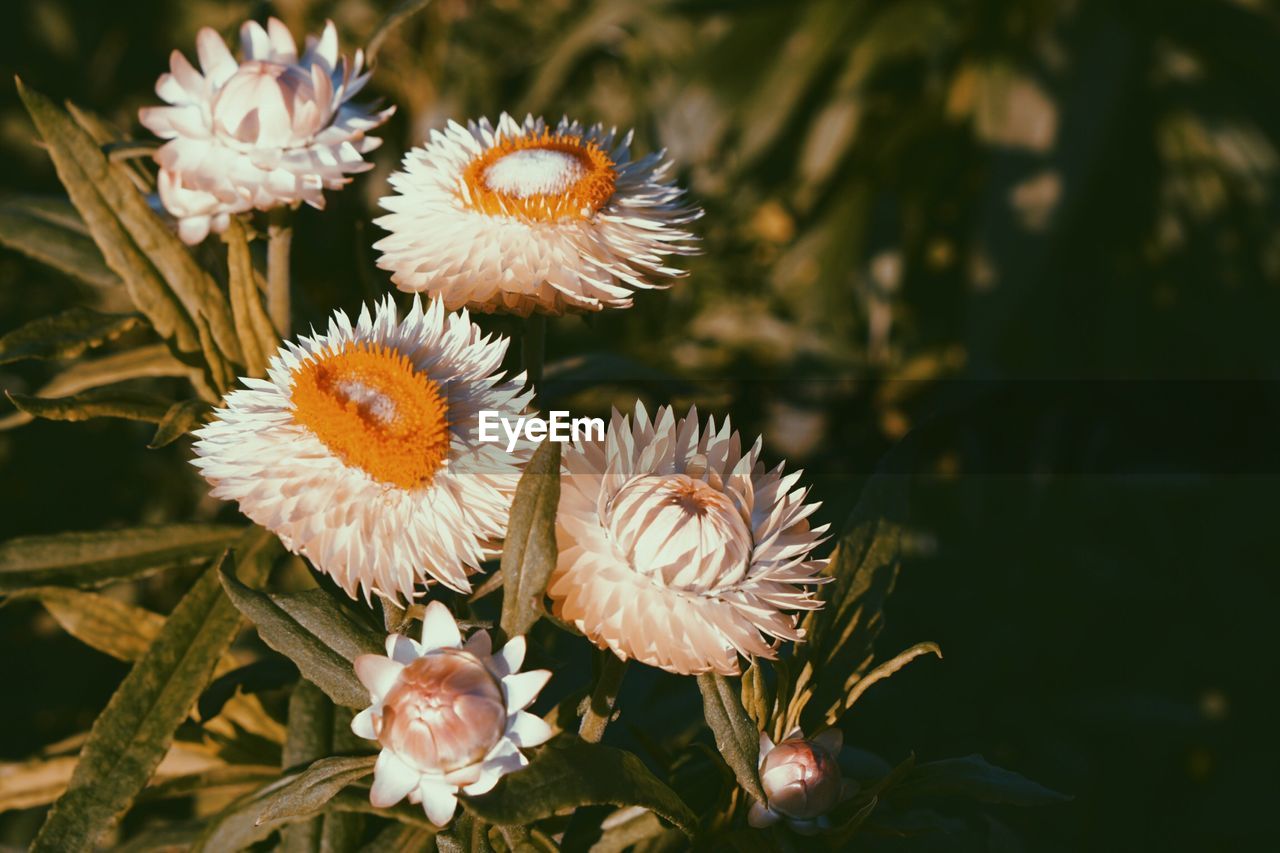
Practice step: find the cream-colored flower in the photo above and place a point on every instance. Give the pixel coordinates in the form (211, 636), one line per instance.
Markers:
(361, 449)
(272, 129)
(527, 217)
(448, 715)
(679, 550)
(801, 779)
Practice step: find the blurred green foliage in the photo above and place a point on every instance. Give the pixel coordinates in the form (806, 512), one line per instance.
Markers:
(907, 203)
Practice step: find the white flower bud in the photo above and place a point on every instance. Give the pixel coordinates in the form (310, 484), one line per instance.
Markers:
(801, 779)
(445, 712)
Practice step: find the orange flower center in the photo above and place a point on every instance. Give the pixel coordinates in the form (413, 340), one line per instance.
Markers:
(540, 178)
(375, 411)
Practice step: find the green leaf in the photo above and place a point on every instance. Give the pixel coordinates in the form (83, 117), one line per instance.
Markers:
(973, 777)
(143, 362)
(568, 773)
(50, 231)
(465, 834)
(881, 672)
(529, 554)
(165, 282)
(292, 798)
(840, 637)
(132, 734)
(110, 402)
(65, 335)
(258, 339)
(92, 559)
(313, 728)
(399, 837)
(111, 626)
(315, 632)
(180, 419)
(736, 735)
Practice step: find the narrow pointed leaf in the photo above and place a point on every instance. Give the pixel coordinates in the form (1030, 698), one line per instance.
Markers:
(109, 402)
(972, 776)
(65, 335)
(92, 559)
(143, 362)
(134, 731)
(109, 625)
(292, 798)
(737, 737)
(165, 282)
(881, 672)
(51, 232)
(257, 338)
(568, 773)
(530, 551)
(180, 419)
(321, 637)
(841, 636)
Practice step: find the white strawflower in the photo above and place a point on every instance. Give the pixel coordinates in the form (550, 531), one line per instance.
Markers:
(801, 780)
(360, 449)
(527, 217)
(679, 550)
(449, 715)
(273, 129)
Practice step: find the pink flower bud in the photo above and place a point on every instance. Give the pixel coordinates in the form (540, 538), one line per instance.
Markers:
(445, 712)
(801, 779)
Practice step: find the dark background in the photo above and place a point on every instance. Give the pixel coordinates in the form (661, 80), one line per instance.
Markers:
(1039, 236)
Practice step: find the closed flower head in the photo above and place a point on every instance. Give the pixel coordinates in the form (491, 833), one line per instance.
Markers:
(678, 549)
(449, 716)
(359, 450)
(801, 780)
(525, 217)
(273, 129)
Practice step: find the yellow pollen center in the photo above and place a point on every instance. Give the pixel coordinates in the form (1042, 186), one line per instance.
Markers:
(540, 178)
(375, 411)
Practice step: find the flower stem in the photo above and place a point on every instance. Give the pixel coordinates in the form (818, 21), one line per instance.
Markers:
(534, 347)
(603, 697)
(279, 241)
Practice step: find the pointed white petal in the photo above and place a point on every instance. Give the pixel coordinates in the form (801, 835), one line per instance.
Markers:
(527, 729)
(439, 629)
(392, 780)
(439, 801)
(377, 673)
(523, 687)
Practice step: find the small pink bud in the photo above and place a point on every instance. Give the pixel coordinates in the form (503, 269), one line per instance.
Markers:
(445, 712)
(801, 779)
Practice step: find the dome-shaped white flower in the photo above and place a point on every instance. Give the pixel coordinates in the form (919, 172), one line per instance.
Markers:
(529, 218)
(361, 449)
(679, 550)
(448, 715)
(273, 129)
(801, 780)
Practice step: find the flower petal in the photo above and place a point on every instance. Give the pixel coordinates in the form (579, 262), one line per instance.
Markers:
(512, 655)
(392, 780)
(377, 673)
(479, 644)
(439, 801)
(527, 729)
(362, 724)
(439, 630)
(402, 650)
(523, 687)
(759, 816)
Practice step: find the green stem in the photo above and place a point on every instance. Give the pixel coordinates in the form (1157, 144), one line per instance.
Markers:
(533, 347)
(279, 241)
(603, 697)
